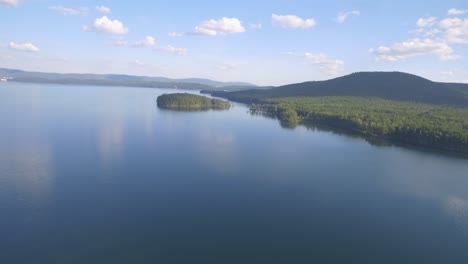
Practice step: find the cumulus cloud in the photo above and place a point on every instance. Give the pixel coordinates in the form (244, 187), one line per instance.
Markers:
(426, 22)
(341, 18)
(322, 61)
(414, 47)
(148, 41)
(9, 2)
(437, 38)
(105, 25)
(174, 50)
(82, 11)
(456, 12)
(327, 65)
(456, 30)
(103, 9)
(23, 47)
(223, 26)
(292, 21)
(175, 34)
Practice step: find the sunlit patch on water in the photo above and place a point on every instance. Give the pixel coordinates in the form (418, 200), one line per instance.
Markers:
(458, 209)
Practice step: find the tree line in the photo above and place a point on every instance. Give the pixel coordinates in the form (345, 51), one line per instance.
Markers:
(414, 123)
(185, 101)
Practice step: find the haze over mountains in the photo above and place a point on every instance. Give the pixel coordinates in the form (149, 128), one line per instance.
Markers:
(387, 85)
(119, 79)
(397, 86)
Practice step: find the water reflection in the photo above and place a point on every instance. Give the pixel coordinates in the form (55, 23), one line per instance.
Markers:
(111, 125)
(110, 140)
(27, 170)
(217, 150)
(374, 141)
(458, 208)
(27, 162)
(427, 177)
(309, 192)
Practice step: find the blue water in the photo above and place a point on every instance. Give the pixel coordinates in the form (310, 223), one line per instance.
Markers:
(101, 175)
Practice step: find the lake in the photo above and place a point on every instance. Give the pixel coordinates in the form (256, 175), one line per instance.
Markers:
(101, 175)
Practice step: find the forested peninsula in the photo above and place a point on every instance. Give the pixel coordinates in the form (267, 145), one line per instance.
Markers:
(395, 106)
(191, 102)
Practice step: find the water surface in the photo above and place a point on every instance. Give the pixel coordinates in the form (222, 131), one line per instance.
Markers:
(101, 175)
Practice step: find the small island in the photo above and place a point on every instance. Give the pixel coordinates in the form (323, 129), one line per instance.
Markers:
(191, 102)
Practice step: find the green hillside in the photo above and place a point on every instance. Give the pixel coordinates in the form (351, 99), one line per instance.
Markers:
(395, 106)
(386, 85)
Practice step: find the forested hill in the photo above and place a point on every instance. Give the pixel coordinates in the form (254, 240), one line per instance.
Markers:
(387, 85)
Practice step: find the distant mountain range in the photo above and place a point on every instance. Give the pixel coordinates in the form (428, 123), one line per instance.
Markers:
(387, 85)
(122, 80)
(397, 86)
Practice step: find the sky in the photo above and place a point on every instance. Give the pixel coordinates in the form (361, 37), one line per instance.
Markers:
(264, 42)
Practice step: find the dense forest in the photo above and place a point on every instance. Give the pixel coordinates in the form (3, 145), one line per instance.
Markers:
(420, 124)
(191, 102)
(396, 106)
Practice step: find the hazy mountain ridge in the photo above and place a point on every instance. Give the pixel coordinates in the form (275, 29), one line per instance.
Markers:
(116, 79)
(386, 85)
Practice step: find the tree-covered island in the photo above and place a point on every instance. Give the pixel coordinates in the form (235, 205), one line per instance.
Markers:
(191, 102)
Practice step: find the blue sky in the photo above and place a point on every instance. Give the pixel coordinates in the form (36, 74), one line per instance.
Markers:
(265, 42)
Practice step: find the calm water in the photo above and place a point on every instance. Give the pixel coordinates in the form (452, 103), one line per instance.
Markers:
(101, 175)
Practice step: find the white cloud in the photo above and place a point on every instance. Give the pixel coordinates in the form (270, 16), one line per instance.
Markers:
(23, 47)
(327, 65)
(292, 21)
(426, 22)
(455, 12)
(174, 50)
(221, 26)
(9, 2)
(414, 47)
(148, 41)
(138, 63)
(105, 25)
(103, 9)
(322, 61)
(431, 32)
(175, 34)
(456, 30)
(82, 11)
(256, 26)
(344, 15)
